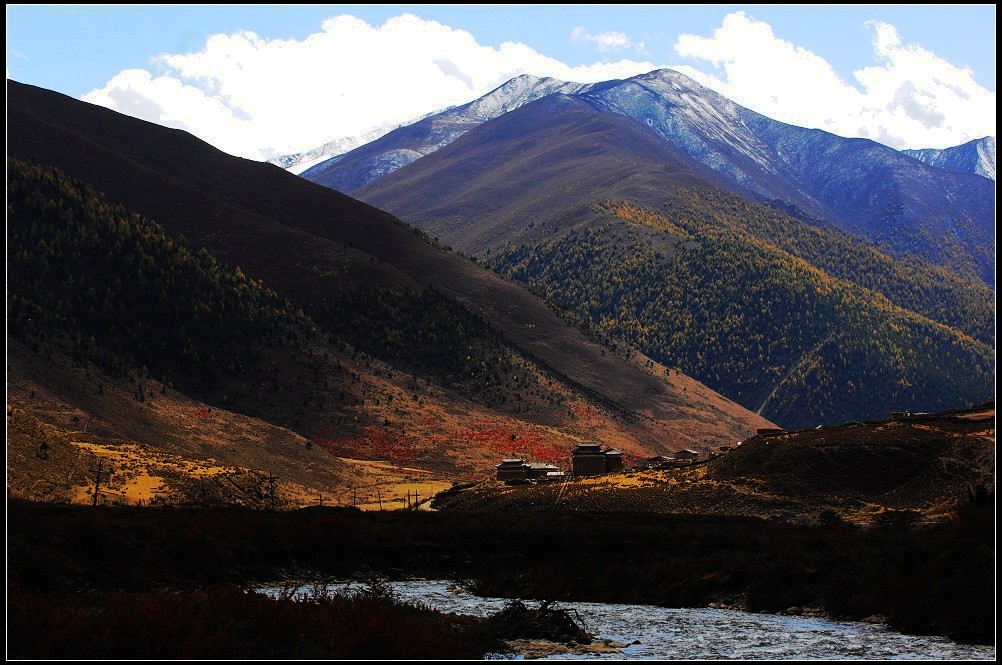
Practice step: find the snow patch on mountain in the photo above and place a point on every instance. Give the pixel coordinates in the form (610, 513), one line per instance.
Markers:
(446, 127)
(977, 156)
(391, 160)
(407, 143)
(300, 161)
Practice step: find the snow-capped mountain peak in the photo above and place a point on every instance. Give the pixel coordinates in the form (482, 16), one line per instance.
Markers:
(853, 183)
(516, 92)
(404, 145)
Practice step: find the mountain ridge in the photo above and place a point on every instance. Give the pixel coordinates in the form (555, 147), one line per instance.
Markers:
(977, 156)
(402, 146)
(859, 185)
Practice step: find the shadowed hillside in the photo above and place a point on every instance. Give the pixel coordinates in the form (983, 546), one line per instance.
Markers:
(255, 293)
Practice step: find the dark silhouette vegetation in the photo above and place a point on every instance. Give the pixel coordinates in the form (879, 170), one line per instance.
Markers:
(935, 579)
(232, 623)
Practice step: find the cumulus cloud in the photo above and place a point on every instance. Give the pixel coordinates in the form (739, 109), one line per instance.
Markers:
(261, 98)
(606, 41)
(910, 99)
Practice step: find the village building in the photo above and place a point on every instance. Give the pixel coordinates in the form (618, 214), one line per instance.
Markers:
(613, 461)
(686, 455)
(541, 470)
(589, 459)
(512, 469)
(658, 462)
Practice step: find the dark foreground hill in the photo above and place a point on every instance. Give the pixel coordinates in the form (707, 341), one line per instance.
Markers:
(300, 308)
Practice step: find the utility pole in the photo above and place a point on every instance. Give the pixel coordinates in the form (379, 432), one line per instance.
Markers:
(97, 480)
(271, 489)
(379, 498)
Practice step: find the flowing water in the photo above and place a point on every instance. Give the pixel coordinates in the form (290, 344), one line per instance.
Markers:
(710, 634)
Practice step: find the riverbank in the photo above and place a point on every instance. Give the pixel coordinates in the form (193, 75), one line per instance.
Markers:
(935, 580)
(645, 632)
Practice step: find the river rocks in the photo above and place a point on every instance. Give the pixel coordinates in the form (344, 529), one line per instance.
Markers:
(532, 649)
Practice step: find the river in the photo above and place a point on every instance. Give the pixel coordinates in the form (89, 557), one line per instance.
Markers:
(650, 632)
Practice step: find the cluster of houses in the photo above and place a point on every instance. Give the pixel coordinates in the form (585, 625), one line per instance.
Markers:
(590, 459)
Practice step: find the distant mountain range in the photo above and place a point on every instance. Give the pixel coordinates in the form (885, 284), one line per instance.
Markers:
(977, 156)
(859, 185)
(331, 150)
(716, 228)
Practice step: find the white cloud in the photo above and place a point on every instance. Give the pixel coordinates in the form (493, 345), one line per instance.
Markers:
(261, 98)
(910, 98)
(606, 41)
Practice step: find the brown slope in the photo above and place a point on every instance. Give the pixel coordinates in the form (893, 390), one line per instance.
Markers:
(289, 232)
(167, 449)
(544, 164)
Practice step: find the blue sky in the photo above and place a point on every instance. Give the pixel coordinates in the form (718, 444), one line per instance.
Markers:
(82, 49)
